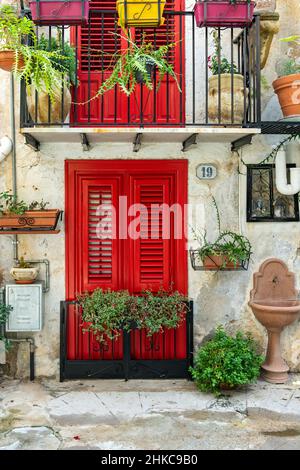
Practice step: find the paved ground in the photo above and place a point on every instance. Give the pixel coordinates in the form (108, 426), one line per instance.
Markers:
(147, 415)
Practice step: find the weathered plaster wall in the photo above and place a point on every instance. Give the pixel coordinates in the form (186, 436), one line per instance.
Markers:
(219, 297)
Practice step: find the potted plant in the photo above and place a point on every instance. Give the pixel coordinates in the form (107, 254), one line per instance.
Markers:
(43, 71)
(12, 29)
(226, 362)
(138, 13)
(229, 251)
(105, 313)
(219, 13)
(287, 85)
(24, 273)
(40, 107)
(16, 214)
(135, 64)
(226, 94)
(59, 12)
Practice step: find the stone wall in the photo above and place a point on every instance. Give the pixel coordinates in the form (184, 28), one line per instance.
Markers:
(219, 297)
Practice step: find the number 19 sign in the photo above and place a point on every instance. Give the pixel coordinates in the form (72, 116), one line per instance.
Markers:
(206, 172)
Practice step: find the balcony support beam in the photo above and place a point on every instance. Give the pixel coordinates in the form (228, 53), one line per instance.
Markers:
(137, 143)
(191, 140)
(239, 143)
(32, 142)
(85, 143)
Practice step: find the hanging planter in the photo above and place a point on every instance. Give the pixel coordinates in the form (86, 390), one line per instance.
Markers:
(137, 13)
(230, 13)
(59, 12)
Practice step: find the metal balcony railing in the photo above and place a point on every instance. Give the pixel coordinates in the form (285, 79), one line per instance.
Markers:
(202, 101)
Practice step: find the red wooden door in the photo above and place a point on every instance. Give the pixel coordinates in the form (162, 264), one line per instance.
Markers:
(96, 45)
(125, 229)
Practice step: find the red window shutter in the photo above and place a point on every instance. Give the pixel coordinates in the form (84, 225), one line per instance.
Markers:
(99, 223)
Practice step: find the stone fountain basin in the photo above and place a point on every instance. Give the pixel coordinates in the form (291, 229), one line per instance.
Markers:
(275, 314)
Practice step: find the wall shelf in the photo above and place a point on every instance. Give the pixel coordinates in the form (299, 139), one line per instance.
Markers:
(28, 232)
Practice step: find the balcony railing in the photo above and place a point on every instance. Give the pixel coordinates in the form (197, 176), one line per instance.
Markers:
(202, 101)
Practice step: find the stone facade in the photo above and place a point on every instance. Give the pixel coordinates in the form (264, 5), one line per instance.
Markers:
(220, 298)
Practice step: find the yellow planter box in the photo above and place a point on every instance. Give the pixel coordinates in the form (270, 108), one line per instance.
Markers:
(135, 13)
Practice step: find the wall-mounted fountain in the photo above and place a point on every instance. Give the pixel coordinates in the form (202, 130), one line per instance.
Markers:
(275, 303)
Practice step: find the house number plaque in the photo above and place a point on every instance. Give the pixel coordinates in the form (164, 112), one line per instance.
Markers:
(206, 172)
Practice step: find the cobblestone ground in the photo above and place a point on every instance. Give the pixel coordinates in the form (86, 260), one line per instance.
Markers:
(155, 415)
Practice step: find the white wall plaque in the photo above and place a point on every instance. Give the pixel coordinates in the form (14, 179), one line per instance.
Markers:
(206, 172)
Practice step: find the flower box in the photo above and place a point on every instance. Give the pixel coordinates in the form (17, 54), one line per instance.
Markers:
(43, 220)
(137, 13)
(218, 13)
(59, 12)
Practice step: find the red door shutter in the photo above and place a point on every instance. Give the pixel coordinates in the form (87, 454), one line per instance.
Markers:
(111, 107)
(99, 224)
(167, 104)
(150, 252)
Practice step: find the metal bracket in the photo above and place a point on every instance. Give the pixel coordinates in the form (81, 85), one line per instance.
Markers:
(191, 140)
(137, 143)
(85, 142)
(239, 143)
(32, 142)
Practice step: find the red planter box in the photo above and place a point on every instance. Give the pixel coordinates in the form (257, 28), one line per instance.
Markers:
(221, 13)
(59, 12)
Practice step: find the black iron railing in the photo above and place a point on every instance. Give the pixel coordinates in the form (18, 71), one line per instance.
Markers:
(132, 355)
(200, 103)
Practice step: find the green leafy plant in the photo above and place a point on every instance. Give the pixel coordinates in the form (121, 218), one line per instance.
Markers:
(105, 312)
(230, 246)
(133, 61)
(10, 205)
(289, 65)
(226, 362)
(67, 57)
(22, 264)
(45, 70)
(218, 64)
(4, 313)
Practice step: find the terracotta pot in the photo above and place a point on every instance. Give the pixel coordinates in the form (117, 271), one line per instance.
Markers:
(8, 59)
(226, 101)
(288, 90)
(217, 262)
(30, 219)
(41, 114)
(24, 275)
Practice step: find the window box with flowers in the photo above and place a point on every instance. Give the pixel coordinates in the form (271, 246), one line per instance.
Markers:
(218, 13)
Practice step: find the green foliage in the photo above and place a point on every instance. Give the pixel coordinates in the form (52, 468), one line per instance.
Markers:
(4, 313)
(289, 66)
(44, 69)
(9, 204)
(104, 312)
(226, 361)
(22, 264)
(67, 60)
(133, 60)
(233, 247)
(216, 62)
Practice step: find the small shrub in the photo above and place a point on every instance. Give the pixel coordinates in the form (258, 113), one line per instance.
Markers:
(226, 362)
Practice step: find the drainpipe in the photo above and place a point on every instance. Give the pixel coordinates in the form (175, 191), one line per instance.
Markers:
(14, 155)
(283, 187)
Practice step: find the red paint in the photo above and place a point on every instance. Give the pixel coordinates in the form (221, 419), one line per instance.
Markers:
(114, 107)
(222, 13)
(130, 264)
